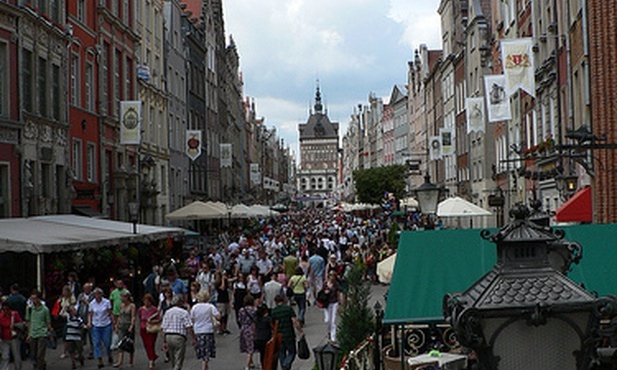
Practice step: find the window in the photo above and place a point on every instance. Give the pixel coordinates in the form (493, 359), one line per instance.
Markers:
(55, 91)
(104, 78)
(91, 162)
(4, 83)
(27, 80)
(42, 87)
(46, 176)
(151, 125)
(5, 195)
(117, 69)
(163, 180)
(54, 10)
(89, 86)
(128, 68)
(125, 11)
(76, 160)
(75, 80)
(81, 10)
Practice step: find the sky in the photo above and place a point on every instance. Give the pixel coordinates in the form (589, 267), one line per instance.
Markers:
(353, 47)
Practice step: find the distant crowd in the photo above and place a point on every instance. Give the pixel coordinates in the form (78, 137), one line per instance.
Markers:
(254, 275)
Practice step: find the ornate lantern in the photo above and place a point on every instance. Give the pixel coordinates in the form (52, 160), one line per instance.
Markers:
(525, 313)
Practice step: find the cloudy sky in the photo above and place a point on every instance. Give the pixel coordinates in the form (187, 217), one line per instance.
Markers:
(353, 47)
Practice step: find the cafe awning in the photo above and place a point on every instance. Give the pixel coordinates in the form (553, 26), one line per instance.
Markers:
(431, 263)
(577, 208)
(61, 233)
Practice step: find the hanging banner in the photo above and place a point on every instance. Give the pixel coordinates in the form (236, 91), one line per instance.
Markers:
(497, 101)
(475, 114)
(130, 122)
(447, 142)
(255, 174)
(517, 57)
(435, 147)
(193, 144)
(225, 155)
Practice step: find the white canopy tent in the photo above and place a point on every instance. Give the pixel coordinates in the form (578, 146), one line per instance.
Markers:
(385, 268)
(459, 207)
(63, 233)
(197, 211)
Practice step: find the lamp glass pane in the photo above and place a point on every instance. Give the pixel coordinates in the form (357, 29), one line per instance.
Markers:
(428, 200)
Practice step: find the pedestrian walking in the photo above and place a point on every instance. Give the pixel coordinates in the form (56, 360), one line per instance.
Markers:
(298, 285)
(39, 329)
(221, 286)
(247, 329)
(176, 327)
(331, 289)
(100, 319)
(239, 292)
(83, 303)
(263, 331)
(73, 337)
(271, 289)
(318, 268)
(125, 326)
(286, 318)
(67, 301)
(203, 315)
(148, 314)
(9, 341)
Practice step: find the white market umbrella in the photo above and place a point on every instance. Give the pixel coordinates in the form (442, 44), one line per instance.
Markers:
(459, 207)
(258, 210)
(409, 202)
(196, 211)
(241, 211)
(385, 269)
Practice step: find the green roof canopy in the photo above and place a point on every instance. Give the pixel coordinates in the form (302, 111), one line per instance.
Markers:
(431, 263)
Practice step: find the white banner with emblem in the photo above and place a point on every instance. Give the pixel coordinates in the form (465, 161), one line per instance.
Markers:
(518, 67)
(255, 174)
(475, 114)
(130, 122)
(225, 155)
(193, 144)
(497, 101)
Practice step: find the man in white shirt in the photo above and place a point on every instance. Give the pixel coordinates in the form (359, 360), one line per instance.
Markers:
(176, 326)
(271, 289)
(264, 264)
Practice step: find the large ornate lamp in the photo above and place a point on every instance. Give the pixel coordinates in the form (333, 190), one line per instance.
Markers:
(428, 196)
(524, 313)
(326, 356)
(134, 214)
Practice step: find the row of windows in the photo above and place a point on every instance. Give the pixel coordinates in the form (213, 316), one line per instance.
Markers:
(42, 77)
(77, 161)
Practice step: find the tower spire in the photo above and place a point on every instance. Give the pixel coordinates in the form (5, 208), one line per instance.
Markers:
(318, 104)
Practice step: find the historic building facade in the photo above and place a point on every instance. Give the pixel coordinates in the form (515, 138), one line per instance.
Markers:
(319, 158)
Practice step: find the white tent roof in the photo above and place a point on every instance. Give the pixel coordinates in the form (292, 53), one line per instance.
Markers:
(197, 211)
(59, 233)
(458, 207)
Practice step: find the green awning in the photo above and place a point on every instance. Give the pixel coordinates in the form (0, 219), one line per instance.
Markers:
(432, 263)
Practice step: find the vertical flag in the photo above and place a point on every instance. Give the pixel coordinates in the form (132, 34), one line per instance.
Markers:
(193, 144)
(225, 155)
(255, 175)
(497, 101)
(435, 147)
(475, 114)
(447, 142)
(517, 57)
(130, 122)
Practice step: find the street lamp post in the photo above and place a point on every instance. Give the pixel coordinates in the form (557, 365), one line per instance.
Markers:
(428, 197)
(134, 213)
(525, 313)
(378, 318)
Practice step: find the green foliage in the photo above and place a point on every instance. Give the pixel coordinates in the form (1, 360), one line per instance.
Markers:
(372, 183)
(356, 318)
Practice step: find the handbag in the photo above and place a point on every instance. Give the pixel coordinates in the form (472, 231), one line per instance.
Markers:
(115, 339)
(153, 327)
(322, 299)
(303, 349)
(126, 344)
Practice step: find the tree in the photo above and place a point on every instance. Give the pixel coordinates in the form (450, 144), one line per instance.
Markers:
(373, 183)
(357, 321)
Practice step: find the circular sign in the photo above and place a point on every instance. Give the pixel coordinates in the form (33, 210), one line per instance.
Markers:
(131, 118)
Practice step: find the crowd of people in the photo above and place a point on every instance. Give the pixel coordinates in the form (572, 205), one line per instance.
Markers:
(260, 276)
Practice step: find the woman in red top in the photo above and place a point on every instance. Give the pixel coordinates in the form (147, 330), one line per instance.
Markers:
(148, 314)
(9, 343)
